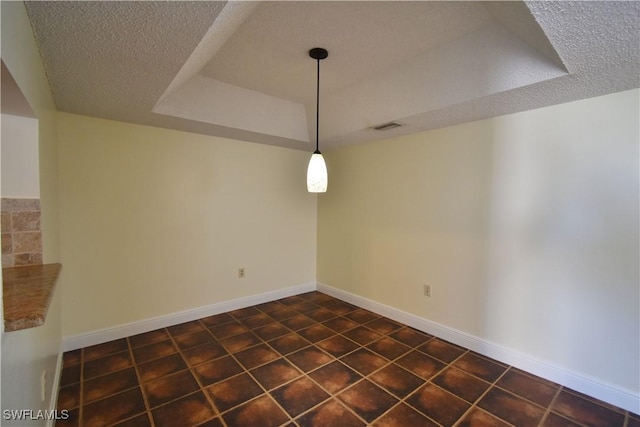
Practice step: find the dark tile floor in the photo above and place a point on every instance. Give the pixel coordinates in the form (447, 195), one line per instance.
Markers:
(309, 360)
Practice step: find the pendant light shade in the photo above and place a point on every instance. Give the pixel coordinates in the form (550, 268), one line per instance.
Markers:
(317, 177)
(317, 174)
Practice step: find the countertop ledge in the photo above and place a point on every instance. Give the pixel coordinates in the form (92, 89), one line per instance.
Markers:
(27, 293)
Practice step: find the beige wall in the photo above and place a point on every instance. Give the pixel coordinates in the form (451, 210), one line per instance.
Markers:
(154, 221)
(525, 226)
(20, 154)
(26, 354)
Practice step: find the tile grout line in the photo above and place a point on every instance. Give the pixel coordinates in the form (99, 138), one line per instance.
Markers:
(493, 384)
(201, 388)
(548, 409)
(193, 374)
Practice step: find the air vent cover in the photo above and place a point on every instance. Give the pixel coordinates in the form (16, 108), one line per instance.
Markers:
(387, 126)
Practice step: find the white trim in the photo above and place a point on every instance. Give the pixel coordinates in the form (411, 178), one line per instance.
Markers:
(109, 334)
(55, 387)
(617, 396)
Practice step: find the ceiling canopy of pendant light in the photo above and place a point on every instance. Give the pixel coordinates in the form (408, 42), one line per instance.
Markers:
(317, 178)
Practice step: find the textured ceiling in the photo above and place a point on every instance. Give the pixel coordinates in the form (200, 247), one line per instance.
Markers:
(241, 69)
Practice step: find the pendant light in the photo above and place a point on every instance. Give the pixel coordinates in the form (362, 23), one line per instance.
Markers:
(317, 169)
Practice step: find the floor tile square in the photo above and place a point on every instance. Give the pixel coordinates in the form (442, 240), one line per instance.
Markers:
(585, 411)
(189, 410)
(187, 341)
(511, 408)
(70, 358)
(442, 350)
(335, 377)
(141, 420)
(271, 331)
(479, 418)
(217, 370)
(270, 306)
(262, 411)
(364, 361)
(362, 335)
(107, 364)
(389, 348)
(383, 326)
(101, 387)
(149, 337)
(113, 409)
(234, 391)
(309, 358)
(299, 395)
(204, 353)
(217, 320)
(304, 306)
(240, 342)
(168, 388)
(337, 345)
(289, 343)
(275, 373)
(340, 308)
(402, 415)
(70, 375)
(298, 322)
(461, 384)
(420, 364)
(161, 367)
(528, 387)
(73, 419)
(153, 351)
(340, 324)
(438, 404)
(480, 367)
(292, 300)
(367, 400)
(228, 330)
(253, 322)
(241, 313)
(361, 316)
(330, 413)
(69, 397)
(321, 314)
(316, 333)
(554, 420)
(410, 336)
(283, 313)
(256, 356)
(105, 349)
(396, 380)
(186, 328)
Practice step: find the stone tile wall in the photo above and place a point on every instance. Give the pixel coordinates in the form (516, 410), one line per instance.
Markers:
(21, 234)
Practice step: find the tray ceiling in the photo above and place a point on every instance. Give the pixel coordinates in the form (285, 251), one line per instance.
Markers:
(241, 70)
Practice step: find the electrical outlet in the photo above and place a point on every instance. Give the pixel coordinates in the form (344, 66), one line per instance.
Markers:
(43, 385)
(241, 272)
(427, 290)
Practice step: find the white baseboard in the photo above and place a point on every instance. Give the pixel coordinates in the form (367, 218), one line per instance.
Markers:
(109, 334)
(576, 381)
(55, 386)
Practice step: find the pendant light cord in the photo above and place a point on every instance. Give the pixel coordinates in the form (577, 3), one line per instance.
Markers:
(317, 108)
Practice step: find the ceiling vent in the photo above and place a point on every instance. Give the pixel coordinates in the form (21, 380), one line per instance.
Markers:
(387, 126)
